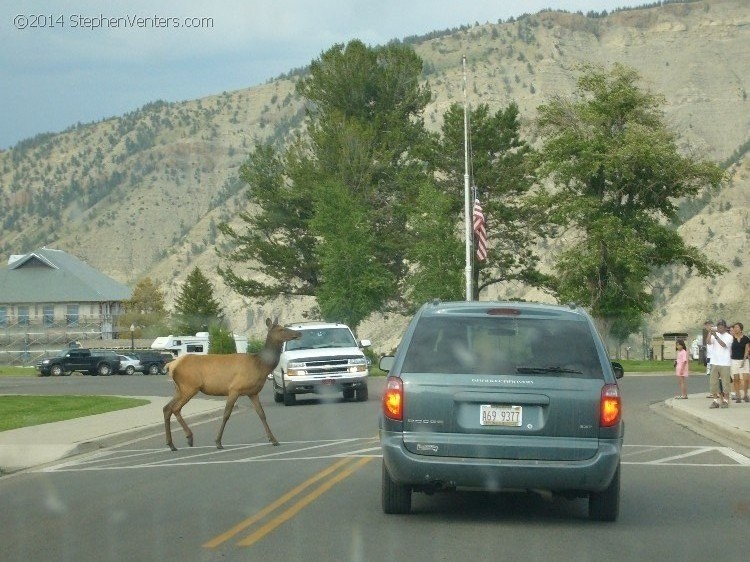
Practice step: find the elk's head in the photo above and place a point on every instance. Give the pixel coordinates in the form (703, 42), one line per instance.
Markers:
(278, 334)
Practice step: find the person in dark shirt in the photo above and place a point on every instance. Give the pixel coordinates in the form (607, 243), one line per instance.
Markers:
(740, 362)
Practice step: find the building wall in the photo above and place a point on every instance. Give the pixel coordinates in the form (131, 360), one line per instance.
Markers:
(45, 321)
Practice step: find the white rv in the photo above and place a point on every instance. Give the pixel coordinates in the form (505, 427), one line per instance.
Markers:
(198, 344)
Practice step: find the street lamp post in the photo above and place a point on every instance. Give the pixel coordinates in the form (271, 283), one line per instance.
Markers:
(132, 342)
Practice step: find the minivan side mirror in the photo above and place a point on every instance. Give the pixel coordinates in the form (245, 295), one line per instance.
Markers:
(386, 363)
(617, 368)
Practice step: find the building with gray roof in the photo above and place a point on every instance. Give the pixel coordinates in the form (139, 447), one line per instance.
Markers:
(50, 297)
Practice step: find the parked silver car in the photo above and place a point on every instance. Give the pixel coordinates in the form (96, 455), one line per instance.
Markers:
(502, 396)
(129, 365)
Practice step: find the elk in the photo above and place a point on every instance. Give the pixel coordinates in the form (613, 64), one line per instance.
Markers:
(234, 375)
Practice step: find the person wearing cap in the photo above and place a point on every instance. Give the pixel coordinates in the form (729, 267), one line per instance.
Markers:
(720, 349)
(740, 363)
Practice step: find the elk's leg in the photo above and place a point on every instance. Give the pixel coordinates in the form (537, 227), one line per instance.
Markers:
(175, 407)
(167, 429)
(231, 399)
(262, 415)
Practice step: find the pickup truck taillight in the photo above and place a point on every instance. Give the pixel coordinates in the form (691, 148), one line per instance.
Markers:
(393, 399)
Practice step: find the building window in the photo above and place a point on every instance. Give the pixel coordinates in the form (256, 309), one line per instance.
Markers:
(3, 316)
(71, 318)
(48, 314)
(23, 315)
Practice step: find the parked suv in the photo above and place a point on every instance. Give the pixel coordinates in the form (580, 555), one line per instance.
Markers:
(502, 396)
(152, 362)
(325, 359)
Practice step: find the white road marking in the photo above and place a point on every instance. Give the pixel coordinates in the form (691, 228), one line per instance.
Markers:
(296, 451)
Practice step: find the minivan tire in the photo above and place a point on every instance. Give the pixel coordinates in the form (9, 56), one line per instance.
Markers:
(605, 505)
(396, 498)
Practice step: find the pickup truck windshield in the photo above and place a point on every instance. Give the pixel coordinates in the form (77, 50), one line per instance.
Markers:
(323, 338)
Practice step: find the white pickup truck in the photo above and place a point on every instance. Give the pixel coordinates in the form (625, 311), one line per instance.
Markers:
(326, 359)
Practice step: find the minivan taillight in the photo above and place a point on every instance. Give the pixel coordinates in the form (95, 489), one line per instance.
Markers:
(611, 406)
(393, 399)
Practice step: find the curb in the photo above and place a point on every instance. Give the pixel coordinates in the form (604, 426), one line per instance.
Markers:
(17, 457)
(714, 430)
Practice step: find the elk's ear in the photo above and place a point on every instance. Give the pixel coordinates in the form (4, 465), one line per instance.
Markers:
(268, 323)
(276, 322)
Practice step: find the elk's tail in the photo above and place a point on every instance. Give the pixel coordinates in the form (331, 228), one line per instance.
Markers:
(172, 365)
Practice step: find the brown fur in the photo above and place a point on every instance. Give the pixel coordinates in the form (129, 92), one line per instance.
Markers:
(239, 374)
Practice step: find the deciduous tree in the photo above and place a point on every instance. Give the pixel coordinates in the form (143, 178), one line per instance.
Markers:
(145, 311)
(618, 175)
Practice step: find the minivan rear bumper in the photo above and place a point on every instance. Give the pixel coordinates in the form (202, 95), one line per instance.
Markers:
(430, 472)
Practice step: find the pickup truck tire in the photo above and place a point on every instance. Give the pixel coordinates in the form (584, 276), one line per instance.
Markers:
(153, 369)
(290, 399)
(278, 395)
(362, 394)
(348, 393)
(56, 370)
(104, 369)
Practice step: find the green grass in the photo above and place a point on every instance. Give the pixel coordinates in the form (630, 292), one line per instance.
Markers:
(635, 366)
(631, 365)
(22, 411)
(7, 371)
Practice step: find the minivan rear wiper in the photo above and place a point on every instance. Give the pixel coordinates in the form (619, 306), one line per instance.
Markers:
(540, 370)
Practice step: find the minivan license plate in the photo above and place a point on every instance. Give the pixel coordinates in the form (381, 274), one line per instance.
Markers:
(500, 415)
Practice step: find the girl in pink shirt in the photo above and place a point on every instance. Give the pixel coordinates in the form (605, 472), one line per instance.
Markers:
(681, 368)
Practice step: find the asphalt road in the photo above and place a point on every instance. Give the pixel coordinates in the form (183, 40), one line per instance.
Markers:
(317, 496)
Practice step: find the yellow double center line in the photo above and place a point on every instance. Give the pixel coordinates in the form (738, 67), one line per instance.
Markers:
(292, 510)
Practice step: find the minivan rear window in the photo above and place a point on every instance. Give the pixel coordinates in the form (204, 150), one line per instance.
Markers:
(500, 345)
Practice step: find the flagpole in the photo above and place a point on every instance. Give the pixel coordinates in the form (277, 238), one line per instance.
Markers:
(467, 202)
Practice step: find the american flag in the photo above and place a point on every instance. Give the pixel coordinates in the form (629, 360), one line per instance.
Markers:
(480, 231)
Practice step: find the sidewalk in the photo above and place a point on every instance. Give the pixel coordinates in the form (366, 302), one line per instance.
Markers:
(731, 423)
(41, 444)
(38, 445)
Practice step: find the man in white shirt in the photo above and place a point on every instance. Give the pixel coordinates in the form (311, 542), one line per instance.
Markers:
(719, 348)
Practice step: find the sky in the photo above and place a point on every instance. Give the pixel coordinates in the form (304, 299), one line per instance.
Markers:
(80, 61)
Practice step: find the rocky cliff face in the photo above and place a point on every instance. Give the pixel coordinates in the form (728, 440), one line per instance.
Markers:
(142, 194)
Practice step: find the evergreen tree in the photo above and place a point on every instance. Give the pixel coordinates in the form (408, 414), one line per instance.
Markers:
(196, 309)
(436, 252)
(501, 167)
(364, 120)
(221, 341)
(354, 281)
